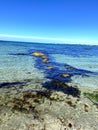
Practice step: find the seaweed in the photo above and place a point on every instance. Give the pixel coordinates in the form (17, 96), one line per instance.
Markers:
(11, 84)
(57, 85)
(93, 97)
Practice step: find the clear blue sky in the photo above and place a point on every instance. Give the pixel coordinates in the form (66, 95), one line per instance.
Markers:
(68, 19)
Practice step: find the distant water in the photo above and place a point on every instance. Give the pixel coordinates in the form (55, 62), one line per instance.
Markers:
(17, 62)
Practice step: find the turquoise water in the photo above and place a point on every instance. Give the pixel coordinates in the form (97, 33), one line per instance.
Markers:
(17, 62)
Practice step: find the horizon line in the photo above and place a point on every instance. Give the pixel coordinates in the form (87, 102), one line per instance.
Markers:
(22, 38)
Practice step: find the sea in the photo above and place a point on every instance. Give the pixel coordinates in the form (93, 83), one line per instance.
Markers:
(80, 62)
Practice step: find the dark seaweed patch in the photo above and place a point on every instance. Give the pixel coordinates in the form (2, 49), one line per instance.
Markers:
(11, 84)
(57, 81)
(60, 86)
(19, 54)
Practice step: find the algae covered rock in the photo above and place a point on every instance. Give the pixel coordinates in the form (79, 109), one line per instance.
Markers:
(42, 55)
(65, 75)
(50, 67)
(45, 60)
(38, 54)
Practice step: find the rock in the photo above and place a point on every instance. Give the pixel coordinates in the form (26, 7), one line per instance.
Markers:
(65, 75)
(45, 61)
(71, 104)
(86, 107)
(38, 54)
(43, 56)
(50, 67)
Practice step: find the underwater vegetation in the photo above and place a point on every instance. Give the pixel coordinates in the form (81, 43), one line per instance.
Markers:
(11, 84)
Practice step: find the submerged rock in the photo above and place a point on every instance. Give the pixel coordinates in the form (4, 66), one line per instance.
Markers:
(45, 60)
(42, 55)
(38, 54)
(50, 67)
(65, 75)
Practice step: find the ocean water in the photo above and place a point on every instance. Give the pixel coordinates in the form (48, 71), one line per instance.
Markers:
(79, 61)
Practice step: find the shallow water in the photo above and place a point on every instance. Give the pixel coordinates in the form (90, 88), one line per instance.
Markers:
(17, 62)
(16, 67)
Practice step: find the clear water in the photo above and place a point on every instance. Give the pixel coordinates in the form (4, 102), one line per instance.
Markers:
(17, 62)
(16, 67)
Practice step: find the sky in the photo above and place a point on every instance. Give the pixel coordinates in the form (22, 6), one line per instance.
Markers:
(70, 21)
